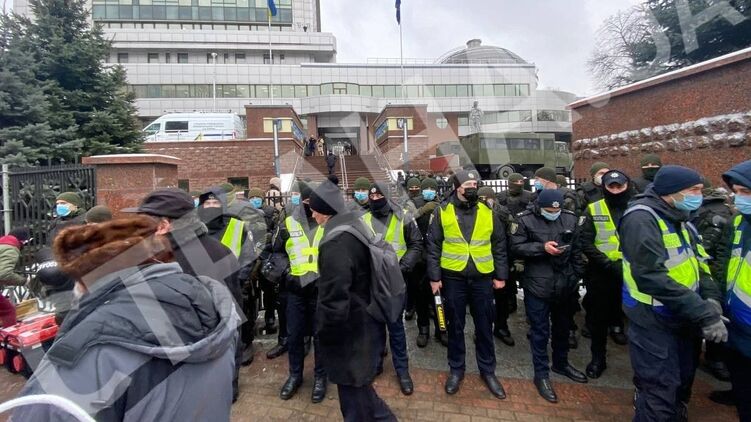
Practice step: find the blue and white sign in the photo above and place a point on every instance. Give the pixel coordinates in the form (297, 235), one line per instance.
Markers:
(382, 129)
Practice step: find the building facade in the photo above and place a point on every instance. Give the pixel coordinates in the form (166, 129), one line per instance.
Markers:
(221, 55)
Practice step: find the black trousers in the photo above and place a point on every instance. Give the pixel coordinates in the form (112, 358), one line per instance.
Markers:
(542, 314)
(664, 365)
(503, 302)
(270, 300)
(301, 308)
(362, 404)
(740, 377)
(603, 306)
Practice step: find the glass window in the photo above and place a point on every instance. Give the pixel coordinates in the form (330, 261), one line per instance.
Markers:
(340, 89)
(229, 91)
(239, 57)
(276, 91)
(140, 91)
(428, 90)
(262, 91)
(477, 90)
(510, 90)
(204, 13)
(182, 91)
(488, 90)
(176, 126)
(353, 89)
(172, 13)
(513, 116)
(152, 128)
(531, 144)
(378, 91)
(288, 91)
(327, 89)
(98, 11)
(301, 91)
(439, 91)
(389, 91)
(525, 115)
(217, 13)
(182, 57)
(489, 118)
(153, 58)
(126, 12)
(366, 90)
(203, 91)
(502, 117)
(183, 184)
(451, 90)
(113, 12)
(462, 91)
(243, 91)
(314, 90)
(168, 91)
(243, 14)
(160, 12)
(230, 13)
(523, 90)
(122, 57)
(463, 121)
(547, 144)
(499, 90)
(413, 91)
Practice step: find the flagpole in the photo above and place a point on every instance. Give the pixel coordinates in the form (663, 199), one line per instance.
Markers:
(271, 64)
(401, 59)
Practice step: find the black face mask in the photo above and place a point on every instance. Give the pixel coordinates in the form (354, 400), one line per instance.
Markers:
(617, 200)
(649, 173)
(379, 206)
(212, 217)
(414, 193)
(308, 211)
(470, 194)
(515, 189)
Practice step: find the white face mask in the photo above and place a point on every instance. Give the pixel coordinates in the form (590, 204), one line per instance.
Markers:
(598, 180)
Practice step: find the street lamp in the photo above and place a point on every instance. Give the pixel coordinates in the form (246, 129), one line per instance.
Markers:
(213, 58)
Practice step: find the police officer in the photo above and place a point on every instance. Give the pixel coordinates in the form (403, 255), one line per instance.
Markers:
(545, 178)
(713, 217)
(401, 232)
(515, 198)
(591, 191)
(669, 296)
(299, 236)
(601, 245)
(546, 237)
(502, 299)
(734, 271)
(414, 198)
(424, 299)
(467, 258)
(650, 164)
(238, 238)
(359, 205)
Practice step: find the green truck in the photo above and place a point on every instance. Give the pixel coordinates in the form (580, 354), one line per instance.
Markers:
(497, 155)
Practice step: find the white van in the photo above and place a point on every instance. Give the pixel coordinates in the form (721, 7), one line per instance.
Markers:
(195, 127)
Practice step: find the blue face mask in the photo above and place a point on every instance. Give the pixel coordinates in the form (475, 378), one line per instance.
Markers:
(428, 194)
(743, 203)
(295, 199)
(361, 196)
(62, 210)
(256, 202)
(689, 202)
(195, 203)
(538, 185)
(552, 216)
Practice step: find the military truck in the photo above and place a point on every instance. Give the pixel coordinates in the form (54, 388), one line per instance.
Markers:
(497, 155)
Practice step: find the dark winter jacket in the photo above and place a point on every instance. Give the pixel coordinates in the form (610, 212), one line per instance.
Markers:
(711, 220)
(412, 235)
(641, 184)
(570, 201)
(588, 192)
(76, 218)
(739, 334)
(145, 344)
(10, 253)
(348, 335)
(643, 248)
(466, 216)
(330, 160)
(515, 203)
(546, 276)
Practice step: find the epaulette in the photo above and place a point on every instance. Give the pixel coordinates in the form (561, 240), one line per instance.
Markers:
(523, 213)
(568, 211)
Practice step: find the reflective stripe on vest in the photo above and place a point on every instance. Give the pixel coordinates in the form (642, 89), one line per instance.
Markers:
(233, 236)
(394, 233)
(455, 251)
(681, 262)
(739, 277)
(303, 256)
(606, 236)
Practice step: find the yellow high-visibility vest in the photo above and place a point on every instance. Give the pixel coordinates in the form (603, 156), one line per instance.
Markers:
(739, 277)
(606, 235)
(303, 255)
(394, 233)
(233, 236)
(456, 251)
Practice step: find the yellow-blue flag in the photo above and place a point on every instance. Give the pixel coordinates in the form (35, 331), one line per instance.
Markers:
(272, 8)
(398, 11)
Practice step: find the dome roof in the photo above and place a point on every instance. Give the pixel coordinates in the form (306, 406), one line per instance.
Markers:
(476, 53)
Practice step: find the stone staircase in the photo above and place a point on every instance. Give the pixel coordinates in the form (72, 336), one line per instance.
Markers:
(314, 168)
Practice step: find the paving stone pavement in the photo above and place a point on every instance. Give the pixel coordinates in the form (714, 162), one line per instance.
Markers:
(605, 399)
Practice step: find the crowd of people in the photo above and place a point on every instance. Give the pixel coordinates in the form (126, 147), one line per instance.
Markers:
(169, 293)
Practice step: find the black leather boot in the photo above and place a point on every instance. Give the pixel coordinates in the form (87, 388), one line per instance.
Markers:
(423, 336)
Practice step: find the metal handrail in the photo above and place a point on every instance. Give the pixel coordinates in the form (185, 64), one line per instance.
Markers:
(343, 164)
(384, 163)
(299, 158)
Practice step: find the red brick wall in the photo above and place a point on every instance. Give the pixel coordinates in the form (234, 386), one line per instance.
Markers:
(209, 163)
(254, 116)
(723, 90)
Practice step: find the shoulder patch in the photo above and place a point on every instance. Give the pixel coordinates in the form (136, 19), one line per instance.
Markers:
(582, 220)
(514, 228)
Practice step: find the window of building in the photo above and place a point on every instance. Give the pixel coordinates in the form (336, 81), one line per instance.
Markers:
(301, 91)
(462, 91)
(184, 184)
(167, 58)
(281, 58)
(340, 89)
(413, 91)
(378, 91)
(226, 58)
(182, 57)
(366, 90)
(314, 90)
(245, 91)
(209, 58)
(239, 57)
(389, 91)
(327, 89)
(288, 91)
(122, 57)
(262, 91)
(153, 58)
(553, 116)
(442, 122)
(266, 58)
(439, 91)
(451, 90)
(353, 89)
(239, 182)
(523, 90)
(182, 91)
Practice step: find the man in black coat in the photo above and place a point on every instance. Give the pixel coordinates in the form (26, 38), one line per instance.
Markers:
(545, 236)
(467, 258)
(331, 162)
(399, 229)
(604, 278)
(197, 253)
(591, 190)
(650, 165)
(349, 337)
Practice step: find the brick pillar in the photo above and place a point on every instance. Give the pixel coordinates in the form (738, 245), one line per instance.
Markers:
(123, 180)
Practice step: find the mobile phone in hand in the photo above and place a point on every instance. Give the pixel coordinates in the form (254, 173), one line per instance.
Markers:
(563, 248)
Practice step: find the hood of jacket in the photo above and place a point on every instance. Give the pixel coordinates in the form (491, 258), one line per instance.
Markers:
(651, 199)
(156, 310)
(10, 241)
(185, 229)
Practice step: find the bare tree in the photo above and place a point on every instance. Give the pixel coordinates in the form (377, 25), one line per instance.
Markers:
(612, 61)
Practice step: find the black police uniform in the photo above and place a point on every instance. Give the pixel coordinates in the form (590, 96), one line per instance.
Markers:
(515, 202)
(549, 282)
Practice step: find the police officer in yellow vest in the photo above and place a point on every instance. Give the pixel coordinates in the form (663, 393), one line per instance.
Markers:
(604, 280)
(299, 236)
(732, 268)
(668, 294)
(399, 229)
(467, 259)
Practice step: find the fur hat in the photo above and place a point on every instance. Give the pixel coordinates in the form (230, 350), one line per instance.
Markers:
(89, 252)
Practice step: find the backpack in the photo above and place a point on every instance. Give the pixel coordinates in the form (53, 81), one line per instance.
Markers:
(387, 287)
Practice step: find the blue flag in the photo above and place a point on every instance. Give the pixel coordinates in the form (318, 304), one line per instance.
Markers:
(398, 11)
(272, 8)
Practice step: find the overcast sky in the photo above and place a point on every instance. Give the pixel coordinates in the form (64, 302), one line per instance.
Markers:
(556, 35)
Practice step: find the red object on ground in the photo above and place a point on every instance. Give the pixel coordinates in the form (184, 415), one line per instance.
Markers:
(7, 312)
(29, 333)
